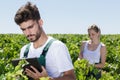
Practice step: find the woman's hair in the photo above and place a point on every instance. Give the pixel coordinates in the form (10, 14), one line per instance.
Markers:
(27, 12)
(95, 28)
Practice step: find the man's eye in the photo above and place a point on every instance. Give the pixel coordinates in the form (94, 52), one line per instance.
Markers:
(23, 29)
(30, 26)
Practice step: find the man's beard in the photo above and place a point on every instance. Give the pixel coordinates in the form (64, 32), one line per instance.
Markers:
(35, 36)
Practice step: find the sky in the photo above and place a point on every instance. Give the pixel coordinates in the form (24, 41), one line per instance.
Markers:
(65, 16)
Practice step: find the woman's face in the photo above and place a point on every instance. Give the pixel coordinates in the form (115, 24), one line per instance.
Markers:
(93, 35)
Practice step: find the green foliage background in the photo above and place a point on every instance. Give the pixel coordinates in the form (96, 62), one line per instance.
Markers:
(10, 45)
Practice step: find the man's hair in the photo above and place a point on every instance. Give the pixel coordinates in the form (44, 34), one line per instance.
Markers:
(27, 12)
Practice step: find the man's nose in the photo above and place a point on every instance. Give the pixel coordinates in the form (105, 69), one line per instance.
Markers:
(27, 31)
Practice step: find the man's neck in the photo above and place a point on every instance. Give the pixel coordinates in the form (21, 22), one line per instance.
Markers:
(40, 42)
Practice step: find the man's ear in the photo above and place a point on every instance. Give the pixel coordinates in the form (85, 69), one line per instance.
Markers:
(40, 22)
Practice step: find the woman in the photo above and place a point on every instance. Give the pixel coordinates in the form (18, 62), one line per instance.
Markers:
(93, 50)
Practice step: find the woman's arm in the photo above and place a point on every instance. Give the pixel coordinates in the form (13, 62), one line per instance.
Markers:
(103, 57)
(81, 50)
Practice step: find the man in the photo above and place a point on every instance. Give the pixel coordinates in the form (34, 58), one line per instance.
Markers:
(58, 62)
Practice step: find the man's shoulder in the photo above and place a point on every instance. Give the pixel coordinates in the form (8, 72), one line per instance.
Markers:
(57, 43)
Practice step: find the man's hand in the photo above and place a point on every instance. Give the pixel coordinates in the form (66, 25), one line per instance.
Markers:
(36, 74)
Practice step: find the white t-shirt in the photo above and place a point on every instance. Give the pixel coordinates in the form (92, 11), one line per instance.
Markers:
(58, 59)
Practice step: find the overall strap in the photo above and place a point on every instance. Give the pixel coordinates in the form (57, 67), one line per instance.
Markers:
(42, 59)
(27, 50)
(47, 47)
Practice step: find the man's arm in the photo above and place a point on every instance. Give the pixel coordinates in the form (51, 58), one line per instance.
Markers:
(68, 75)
